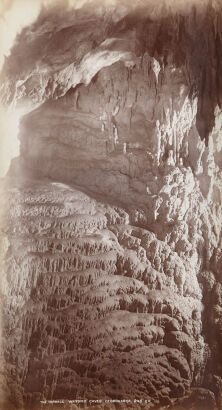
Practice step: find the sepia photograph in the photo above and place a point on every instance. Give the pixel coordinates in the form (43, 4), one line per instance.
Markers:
(110, 204)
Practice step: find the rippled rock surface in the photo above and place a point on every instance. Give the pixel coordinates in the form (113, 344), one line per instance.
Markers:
(111, 215)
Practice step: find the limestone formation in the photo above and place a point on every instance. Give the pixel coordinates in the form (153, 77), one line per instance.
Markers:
(111, 239)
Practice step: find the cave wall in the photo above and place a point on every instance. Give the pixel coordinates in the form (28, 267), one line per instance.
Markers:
(112, 211)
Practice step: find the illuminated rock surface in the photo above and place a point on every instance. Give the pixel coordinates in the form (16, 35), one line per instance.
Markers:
(111, 229)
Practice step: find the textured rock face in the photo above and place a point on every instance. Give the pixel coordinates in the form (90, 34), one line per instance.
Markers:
(111, 215)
